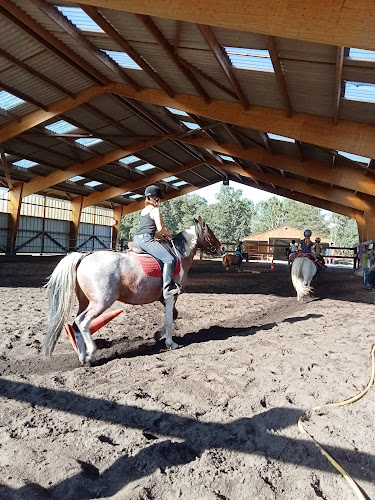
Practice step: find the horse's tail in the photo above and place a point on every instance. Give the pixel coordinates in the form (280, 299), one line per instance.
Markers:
(299, 284)
(61, 287)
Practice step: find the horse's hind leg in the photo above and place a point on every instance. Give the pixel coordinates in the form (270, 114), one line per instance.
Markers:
(169, 303)
(83, 322)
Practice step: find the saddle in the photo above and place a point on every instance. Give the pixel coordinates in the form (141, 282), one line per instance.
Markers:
(150, 265)
(318, 261)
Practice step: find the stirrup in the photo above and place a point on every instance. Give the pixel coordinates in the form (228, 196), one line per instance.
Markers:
(173, 289)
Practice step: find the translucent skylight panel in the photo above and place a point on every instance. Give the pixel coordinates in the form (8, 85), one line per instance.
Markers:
(76, 178)
(225, 157)
(249, 58)
(280, 138)
(80, 19)
(361, 54)
(170, 179)
(122, 59)
(359, 91)
(179, 183)
(92, 183)
(9, 101)
(146, 166)
(25, 163)
(191, 125)
(135, 196)
(88, 141)
(61, 127)
(129, 159)
(351, 156)
(177, 111)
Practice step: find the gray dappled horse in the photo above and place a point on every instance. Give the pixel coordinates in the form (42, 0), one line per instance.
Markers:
(303, 271)
(101, 278)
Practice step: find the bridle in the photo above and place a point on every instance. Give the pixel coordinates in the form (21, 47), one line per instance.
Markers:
(207, 239)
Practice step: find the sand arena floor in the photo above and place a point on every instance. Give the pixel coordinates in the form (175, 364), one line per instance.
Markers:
(214, 420)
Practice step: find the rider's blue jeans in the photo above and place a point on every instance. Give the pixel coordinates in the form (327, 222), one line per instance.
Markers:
(148, 243)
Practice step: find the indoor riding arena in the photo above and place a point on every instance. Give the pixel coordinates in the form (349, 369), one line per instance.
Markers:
(266, 396)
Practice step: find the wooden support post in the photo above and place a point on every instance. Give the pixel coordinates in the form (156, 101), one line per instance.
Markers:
(117, 214)
(15, 202)
(369, 224)
(76, 205)
(361, 225)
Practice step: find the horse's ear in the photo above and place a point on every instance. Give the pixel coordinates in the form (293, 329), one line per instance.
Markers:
(195, 220)
(201, 221)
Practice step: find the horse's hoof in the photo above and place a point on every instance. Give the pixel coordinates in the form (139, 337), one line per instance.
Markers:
(173, 346)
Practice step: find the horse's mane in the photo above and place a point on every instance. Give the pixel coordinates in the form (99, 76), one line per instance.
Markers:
(185, 241)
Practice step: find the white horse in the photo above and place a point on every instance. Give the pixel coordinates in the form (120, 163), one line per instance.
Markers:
(303, 271)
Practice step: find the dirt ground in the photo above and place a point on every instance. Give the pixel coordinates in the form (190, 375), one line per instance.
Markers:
(214, 420)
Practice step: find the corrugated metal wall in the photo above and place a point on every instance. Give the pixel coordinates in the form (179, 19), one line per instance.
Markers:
(44, 226)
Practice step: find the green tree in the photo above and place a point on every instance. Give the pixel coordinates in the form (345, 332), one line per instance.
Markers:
(343, 231)
(269, 214)
(231, 217)
(304, 216)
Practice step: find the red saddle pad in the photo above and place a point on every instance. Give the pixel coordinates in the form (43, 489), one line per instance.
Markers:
(151, 266)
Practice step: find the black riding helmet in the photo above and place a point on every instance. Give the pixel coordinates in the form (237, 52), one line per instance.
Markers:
(153, 192)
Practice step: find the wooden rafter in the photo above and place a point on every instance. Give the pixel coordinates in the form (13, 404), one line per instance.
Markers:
(311, 21)
(112, 192)
(338, 84)
(209, 78)
(224, 62)
(4, 163)
(37, 184)
(346, 177)
(336, 194)
(54, 14)
(266, 141)
(272, 49)
(232, 132)
(127, 47)
(28, 25)
(354, 137)
(168, 49)
(23, 96)
(308, 199)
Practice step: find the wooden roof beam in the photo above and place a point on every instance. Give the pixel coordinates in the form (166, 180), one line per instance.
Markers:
(308, 199)
(112, 192)
(338, 84)
(28, 25)
(151, 27)
(224, 62)
(126, 46)
(79, 168)
(346, 177)
(27, 122)
(317, 21)
(354, 137)
(55, 15)
(272, 49)
(336, 194)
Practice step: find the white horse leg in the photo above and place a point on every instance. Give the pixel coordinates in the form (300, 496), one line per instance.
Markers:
(81, 346)
(83, 322)
(168, 326)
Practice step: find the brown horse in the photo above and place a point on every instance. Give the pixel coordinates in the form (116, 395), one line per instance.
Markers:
(232, 260)
(101, 278)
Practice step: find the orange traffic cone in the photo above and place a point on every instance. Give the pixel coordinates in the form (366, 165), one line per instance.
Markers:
(96, 324)
(272, 266)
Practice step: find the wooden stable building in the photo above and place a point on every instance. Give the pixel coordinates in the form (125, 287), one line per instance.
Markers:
(272, 243)
(101, 98)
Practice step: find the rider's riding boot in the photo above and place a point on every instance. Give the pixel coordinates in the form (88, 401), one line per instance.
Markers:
(170, 288)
